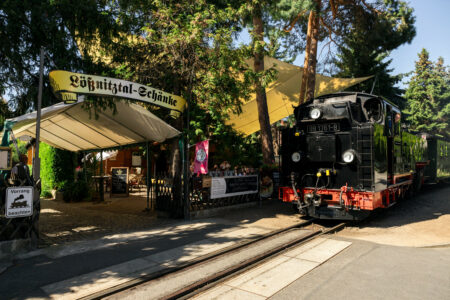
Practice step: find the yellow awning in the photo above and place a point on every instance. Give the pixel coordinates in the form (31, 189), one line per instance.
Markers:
(284, 93)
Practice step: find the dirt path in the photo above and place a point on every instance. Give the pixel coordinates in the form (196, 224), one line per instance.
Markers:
(62, 222)
(418, 222)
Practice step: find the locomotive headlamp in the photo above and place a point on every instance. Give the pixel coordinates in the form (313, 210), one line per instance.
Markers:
(296, 156)
(315, 113)
(349, 156)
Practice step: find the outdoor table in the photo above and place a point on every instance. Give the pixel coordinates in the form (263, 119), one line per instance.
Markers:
(99, 182)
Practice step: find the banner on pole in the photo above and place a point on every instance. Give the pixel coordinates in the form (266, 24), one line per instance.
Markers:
(68, 85)
(201, 157)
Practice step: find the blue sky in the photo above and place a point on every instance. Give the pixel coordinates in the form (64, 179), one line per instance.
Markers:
(433, 33)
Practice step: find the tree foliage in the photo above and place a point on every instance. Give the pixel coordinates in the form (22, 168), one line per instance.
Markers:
(185, 48)
(57, 167)
(428, 96)
(366, 45)
(56, 25)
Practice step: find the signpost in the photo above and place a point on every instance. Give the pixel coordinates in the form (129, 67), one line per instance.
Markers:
(19, 202)
(119, 181)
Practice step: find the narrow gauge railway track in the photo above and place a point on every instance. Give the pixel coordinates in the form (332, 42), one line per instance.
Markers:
(232, 269)
(239, 269)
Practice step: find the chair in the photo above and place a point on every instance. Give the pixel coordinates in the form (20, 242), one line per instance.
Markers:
(134, 181)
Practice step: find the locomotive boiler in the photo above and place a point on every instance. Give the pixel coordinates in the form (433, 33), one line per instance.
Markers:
(348, 155)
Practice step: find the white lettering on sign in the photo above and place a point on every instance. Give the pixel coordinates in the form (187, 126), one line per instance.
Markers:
(19, 202)
(229, 186)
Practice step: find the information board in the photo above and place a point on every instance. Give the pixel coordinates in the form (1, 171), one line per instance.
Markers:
(136, 159)
(119, 181)
(233, 186)
(19, 202)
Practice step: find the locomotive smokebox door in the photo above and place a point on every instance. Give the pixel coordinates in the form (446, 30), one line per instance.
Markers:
(321, 148)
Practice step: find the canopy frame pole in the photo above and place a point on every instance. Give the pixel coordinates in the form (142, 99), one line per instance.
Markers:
(84, 166)
(37, 161)
(185, 136)
(147, 156)
(100, 181)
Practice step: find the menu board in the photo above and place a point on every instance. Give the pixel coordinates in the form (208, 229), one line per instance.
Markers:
(119, 181)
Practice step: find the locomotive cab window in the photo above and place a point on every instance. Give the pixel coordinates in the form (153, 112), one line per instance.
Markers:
(397, 125)
(357, 113)
(373, 109)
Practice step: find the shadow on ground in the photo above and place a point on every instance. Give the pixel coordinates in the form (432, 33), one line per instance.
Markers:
(168, 242)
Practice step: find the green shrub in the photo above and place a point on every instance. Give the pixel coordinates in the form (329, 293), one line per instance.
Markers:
(22, 150)
(75, 191)
(46, 194)
(57, 167)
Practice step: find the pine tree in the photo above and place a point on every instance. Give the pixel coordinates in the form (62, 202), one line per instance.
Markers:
(366, 46)
(26, 26)
(428, 96)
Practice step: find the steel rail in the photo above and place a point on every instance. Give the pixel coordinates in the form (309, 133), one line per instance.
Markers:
(222, 276)
(202, 259)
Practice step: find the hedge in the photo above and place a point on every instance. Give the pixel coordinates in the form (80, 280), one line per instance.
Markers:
(57, 166)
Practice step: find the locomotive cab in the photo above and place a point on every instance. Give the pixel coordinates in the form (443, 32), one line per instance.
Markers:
(342, 155)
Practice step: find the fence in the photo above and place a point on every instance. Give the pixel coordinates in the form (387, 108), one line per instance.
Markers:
(199, 195)
(19, 228)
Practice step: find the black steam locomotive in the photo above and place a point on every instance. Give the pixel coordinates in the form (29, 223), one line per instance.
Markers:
(349, 154)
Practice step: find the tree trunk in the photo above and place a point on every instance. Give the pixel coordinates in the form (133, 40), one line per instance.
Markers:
(261, 100)
(313, 53)
(306, 62)
(175, 168)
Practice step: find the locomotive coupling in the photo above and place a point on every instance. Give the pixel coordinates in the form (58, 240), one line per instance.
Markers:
(312, 199)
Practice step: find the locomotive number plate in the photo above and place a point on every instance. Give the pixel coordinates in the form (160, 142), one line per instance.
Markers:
(329, 127)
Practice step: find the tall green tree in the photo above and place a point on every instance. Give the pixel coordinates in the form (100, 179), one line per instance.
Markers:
(261, 98)
(428, 96)
(185, 48)
(365, 46)
(364, 30)
(4, 112)
(263, 18)
(56, 25)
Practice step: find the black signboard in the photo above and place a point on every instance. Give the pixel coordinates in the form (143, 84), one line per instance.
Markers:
(241, 184)
(119, 181)
(233, 186)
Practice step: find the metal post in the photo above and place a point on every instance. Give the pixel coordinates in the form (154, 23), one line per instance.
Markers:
(187, 204)
(100, 180)
(101, 162)
(148, 177)
(84, 166)
(37, 160)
